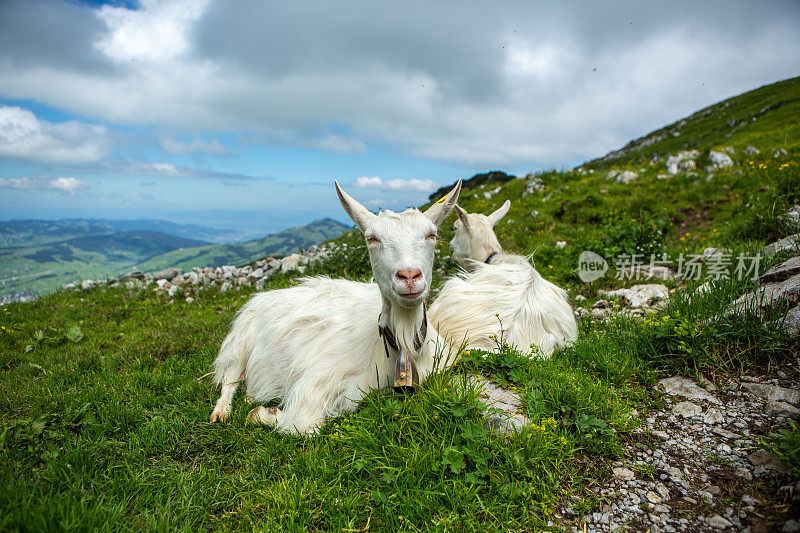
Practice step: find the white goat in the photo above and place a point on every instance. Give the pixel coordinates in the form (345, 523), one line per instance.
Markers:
(317, 346)
(501, 291)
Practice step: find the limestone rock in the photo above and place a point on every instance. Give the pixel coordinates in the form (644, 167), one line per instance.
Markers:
(793, 217)
(773, 393)
(626, 177)
(783, 271)
(720, 159)
(623, 473)
(685, 387)
(167, 273)
(789, 243)
(640, 295)
(687, 410)
(674, 161)
(751, 150)
(717, 522)
(769, 294)
(534, 184)
(791, 322)
(290, 262)
(133, 274)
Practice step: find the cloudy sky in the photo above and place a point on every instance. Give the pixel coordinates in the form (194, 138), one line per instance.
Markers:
(241, 113)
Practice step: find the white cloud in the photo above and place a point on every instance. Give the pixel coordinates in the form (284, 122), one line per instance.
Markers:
(534, 83)
(156, 32)
(17, 183)
(154, 169)
(172, 146)
(23, 136)
(67, 185)
(412, 184)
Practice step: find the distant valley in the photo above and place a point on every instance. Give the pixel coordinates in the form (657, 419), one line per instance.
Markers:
(38, 256)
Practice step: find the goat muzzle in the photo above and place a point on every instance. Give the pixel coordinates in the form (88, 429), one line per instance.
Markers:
(406, 375)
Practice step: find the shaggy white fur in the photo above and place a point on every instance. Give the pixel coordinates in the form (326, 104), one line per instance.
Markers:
(316, 346)
(506, 299)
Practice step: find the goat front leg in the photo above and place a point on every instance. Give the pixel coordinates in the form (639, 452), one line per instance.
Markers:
(222, 409)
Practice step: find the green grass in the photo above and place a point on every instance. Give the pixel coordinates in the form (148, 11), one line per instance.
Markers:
(105, 405)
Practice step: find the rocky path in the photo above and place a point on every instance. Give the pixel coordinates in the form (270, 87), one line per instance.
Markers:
(698, 464)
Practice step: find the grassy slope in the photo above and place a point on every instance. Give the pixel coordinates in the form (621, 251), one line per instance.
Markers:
(46, 267)
(105, 412)
(282, 243)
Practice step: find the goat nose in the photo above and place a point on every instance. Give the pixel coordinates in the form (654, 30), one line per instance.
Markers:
(451, 247)
(409, 275)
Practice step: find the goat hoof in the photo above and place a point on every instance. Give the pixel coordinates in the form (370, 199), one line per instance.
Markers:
(267, 416)
(220, 415)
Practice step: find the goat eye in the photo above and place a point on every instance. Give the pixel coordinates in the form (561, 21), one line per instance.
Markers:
(431, 235)
(372, 239)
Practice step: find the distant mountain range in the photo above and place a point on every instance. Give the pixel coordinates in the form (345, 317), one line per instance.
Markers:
(38, 256)
(30, 232)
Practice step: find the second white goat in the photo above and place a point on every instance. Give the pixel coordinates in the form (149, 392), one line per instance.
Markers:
(501, 297)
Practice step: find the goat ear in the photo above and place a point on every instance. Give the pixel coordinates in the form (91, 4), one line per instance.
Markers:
(462, 215)
(495, 217)
(360, 214)
(439, 211)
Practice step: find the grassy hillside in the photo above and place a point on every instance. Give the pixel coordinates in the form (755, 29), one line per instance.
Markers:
(765, 118)
(282, 243)
(105, 397)
(46, 267)
(31, 232)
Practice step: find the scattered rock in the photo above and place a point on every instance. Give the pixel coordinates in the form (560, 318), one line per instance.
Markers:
(783, 271)
(773, 393)
(782, 408)
(791, 526)
(640, 295)
(717, 522)
(674, 162)
(133, 274)
(685, 387)
(623, 473)
(720, 159)
(626, 177)
(167, 273)
(687, 410)
(534, 184)
(769, 294)
(751, 150)
(713, 416)
(789, 243)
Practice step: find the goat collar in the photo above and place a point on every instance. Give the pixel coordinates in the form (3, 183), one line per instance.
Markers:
(491, 256)
(389, 338)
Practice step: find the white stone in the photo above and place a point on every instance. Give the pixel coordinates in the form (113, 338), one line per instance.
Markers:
(623, 473)
(626, 177)
(717, 522)
(685, 387)
(773, 393)
(687, 410)
(640, 295)
(720, 159)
